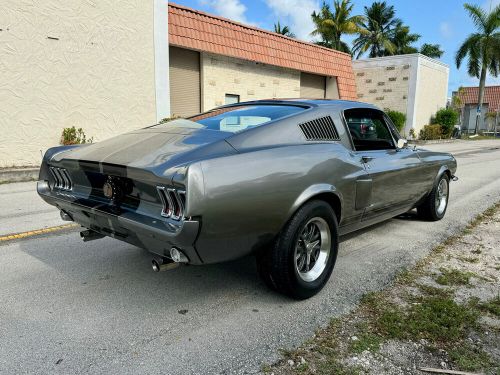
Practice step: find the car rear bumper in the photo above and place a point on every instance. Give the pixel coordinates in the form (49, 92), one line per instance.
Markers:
(153, 234)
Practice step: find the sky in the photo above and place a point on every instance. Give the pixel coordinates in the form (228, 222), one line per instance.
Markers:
(444, 22)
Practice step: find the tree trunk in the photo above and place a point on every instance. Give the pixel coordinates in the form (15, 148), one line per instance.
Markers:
(482, 82)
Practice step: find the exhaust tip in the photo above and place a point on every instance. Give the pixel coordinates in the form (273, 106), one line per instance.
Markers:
(178, 256)
(155, 265)
(159, 266)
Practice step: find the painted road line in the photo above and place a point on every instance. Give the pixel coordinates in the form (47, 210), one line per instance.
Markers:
(31, 233)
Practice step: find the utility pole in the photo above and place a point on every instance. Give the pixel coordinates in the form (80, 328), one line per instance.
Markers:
(478, 116)
(496, 123)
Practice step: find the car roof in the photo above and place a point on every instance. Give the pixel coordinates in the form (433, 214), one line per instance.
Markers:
(334, 104)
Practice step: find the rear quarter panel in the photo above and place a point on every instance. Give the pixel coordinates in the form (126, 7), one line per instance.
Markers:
(249, 197)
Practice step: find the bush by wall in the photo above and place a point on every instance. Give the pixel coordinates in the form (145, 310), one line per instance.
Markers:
(398, 118)
(447, 118)
(431, 132)
(74, 136)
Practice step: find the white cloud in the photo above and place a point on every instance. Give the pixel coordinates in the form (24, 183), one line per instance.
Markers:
(446, 30)
(232, 9)
(490, 3)
(296, 14)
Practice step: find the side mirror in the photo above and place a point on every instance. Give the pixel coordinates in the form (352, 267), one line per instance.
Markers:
(402, 143)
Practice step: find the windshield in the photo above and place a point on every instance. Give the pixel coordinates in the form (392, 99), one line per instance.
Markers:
(238, 118)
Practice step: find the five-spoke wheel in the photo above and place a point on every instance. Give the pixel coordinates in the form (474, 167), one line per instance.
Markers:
(304, 254)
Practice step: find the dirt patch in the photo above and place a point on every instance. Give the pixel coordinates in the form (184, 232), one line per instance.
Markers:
(442, 314)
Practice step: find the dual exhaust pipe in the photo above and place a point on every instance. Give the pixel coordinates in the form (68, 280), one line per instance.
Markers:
(165, 264)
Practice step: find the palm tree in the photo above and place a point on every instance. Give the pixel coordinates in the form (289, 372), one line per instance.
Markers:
(482, 48)
(377, 31)
(403, 40)
(431, 50)
(330, 26)
(285, 30)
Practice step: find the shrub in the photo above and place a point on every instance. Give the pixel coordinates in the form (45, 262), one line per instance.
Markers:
(73, 136)
(431, 132)
(447, 118)
(398, 118)
(168, 119)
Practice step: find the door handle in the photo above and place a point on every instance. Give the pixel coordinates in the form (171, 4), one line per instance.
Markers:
(366, 159)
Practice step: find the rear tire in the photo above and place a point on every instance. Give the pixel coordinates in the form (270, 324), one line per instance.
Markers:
(433, 208)
(304, 254)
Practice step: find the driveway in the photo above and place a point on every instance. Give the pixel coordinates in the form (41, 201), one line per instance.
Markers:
(73, 307)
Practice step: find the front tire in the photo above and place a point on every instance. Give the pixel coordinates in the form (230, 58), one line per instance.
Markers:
(433, 208)
(304, 254)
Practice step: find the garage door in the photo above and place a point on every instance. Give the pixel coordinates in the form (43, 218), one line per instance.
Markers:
(185, 92)
(312, 86)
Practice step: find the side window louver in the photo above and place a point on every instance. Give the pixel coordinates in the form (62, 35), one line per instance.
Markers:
(320, 129)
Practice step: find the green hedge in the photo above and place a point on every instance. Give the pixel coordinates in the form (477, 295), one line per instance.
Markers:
(431, 132)
(447, 118)
(398, 119)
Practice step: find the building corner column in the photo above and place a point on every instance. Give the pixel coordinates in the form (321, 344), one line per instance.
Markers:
(161, 59)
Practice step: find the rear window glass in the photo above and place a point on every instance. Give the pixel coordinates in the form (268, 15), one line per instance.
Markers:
(238, 118)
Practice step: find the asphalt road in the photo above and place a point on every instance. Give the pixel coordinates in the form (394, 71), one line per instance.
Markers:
(73, 307)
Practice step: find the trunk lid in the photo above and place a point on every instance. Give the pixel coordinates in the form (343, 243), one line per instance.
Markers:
(162, 146)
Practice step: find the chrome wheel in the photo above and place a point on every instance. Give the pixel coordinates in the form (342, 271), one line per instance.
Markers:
(441, 196)
(312, 249)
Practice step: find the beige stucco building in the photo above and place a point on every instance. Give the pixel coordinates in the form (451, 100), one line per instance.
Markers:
(111, 67)
(78, 63)
(413, 84)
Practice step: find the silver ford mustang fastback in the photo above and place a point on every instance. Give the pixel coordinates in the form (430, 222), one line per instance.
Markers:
(280, 179)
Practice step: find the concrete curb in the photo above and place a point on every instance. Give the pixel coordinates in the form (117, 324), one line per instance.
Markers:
(432, 142)
(18, 174)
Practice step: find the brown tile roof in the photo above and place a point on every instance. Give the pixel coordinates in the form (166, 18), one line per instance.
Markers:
(190, 28)
(468, 95)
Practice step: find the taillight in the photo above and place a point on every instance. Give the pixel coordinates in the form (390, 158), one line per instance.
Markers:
(173, 202)
(62, 180)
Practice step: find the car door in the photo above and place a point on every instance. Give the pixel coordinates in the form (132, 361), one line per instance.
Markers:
(393, 172)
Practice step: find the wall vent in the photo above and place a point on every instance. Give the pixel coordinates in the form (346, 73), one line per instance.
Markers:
(320, 129)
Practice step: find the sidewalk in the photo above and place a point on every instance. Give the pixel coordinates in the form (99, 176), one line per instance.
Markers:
(18, 174)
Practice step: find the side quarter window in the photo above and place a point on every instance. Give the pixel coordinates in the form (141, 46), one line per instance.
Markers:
(368, 129)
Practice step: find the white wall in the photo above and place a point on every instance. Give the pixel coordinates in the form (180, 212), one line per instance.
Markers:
(432, 90)
(98, 73)
(413, 84)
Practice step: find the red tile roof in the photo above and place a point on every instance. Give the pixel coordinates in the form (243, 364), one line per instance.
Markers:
(469, 95)
(190, 28)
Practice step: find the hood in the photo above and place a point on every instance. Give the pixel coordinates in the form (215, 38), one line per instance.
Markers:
(161, 146)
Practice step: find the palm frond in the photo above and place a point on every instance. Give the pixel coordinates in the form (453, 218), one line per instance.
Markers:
(477, 15)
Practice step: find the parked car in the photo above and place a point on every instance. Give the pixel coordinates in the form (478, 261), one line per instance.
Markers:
(281, 179)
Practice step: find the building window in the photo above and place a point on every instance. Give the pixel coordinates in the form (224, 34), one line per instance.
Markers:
(232, 99)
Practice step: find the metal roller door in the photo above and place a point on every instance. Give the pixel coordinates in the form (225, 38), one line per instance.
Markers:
(312, 86)
(185, 92)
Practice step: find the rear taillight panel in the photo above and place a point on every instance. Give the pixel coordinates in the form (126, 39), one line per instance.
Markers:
(62, 179)
(173, 202)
